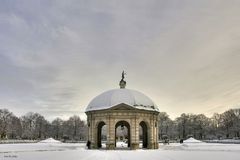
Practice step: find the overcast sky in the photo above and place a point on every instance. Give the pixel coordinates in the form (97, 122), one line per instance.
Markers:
(55, 56)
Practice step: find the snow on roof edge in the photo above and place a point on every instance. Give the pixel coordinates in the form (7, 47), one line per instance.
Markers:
(137, 107)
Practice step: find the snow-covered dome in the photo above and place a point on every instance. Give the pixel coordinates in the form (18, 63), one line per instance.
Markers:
(114, 97)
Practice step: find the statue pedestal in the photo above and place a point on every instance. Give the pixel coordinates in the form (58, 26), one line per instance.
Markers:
(156, 145)
(134, 146)
(153, 145)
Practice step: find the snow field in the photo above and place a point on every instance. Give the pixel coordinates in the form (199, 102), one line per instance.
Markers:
(78, 151)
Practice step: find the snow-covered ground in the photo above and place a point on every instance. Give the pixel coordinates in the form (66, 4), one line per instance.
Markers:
(77, 151)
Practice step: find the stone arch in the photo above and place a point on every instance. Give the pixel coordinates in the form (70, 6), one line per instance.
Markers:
(99, 126)
(114, 118)
(123, 123)
(145, 134)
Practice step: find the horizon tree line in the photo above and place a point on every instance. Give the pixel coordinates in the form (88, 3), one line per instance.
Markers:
(199, 126)
(34, 126)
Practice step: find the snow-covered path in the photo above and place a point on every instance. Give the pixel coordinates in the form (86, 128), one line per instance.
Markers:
(78, 152)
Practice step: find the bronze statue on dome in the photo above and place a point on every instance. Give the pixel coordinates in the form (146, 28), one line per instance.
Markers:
(122, 83)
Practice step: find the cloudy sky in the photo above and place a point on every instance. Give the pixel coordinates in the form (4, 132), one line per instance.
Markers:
(56, 55)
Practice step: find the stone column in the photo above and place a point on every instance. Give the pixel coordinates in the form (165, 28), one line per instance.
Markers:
(111, 133)
(151, 142)
(94, 134)
(156, 134)
(134, 133)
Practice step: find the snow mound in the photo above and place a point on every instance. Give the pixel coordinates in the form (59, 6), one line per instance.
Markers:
(192, 140)
(49, 140)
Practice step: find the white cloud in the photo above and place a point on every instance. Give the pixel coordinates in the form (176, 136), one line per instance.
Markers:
(57, 55)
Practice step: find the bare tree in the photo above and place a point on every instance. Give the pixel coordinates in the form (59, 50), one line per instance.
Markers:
(227, 121)
(74, 128)
(10, 126)
(165, 125)
(57, 129)
(34, 126)
(14, 129)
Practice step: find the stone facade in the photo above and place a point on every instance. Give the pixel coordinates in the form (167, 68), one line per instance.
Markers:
(128, 116)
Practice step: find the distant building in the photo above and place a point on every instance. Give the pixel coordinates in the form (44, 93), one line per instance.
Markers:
(126, 108)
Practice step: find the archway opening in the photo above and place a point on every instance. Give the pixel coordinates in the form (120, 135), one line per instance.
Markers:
(143, 134)
(122, 135)
(101, 135)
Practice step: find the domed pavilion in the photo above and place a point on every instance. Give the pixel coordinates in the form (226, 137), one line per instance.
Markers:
(126, 108)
